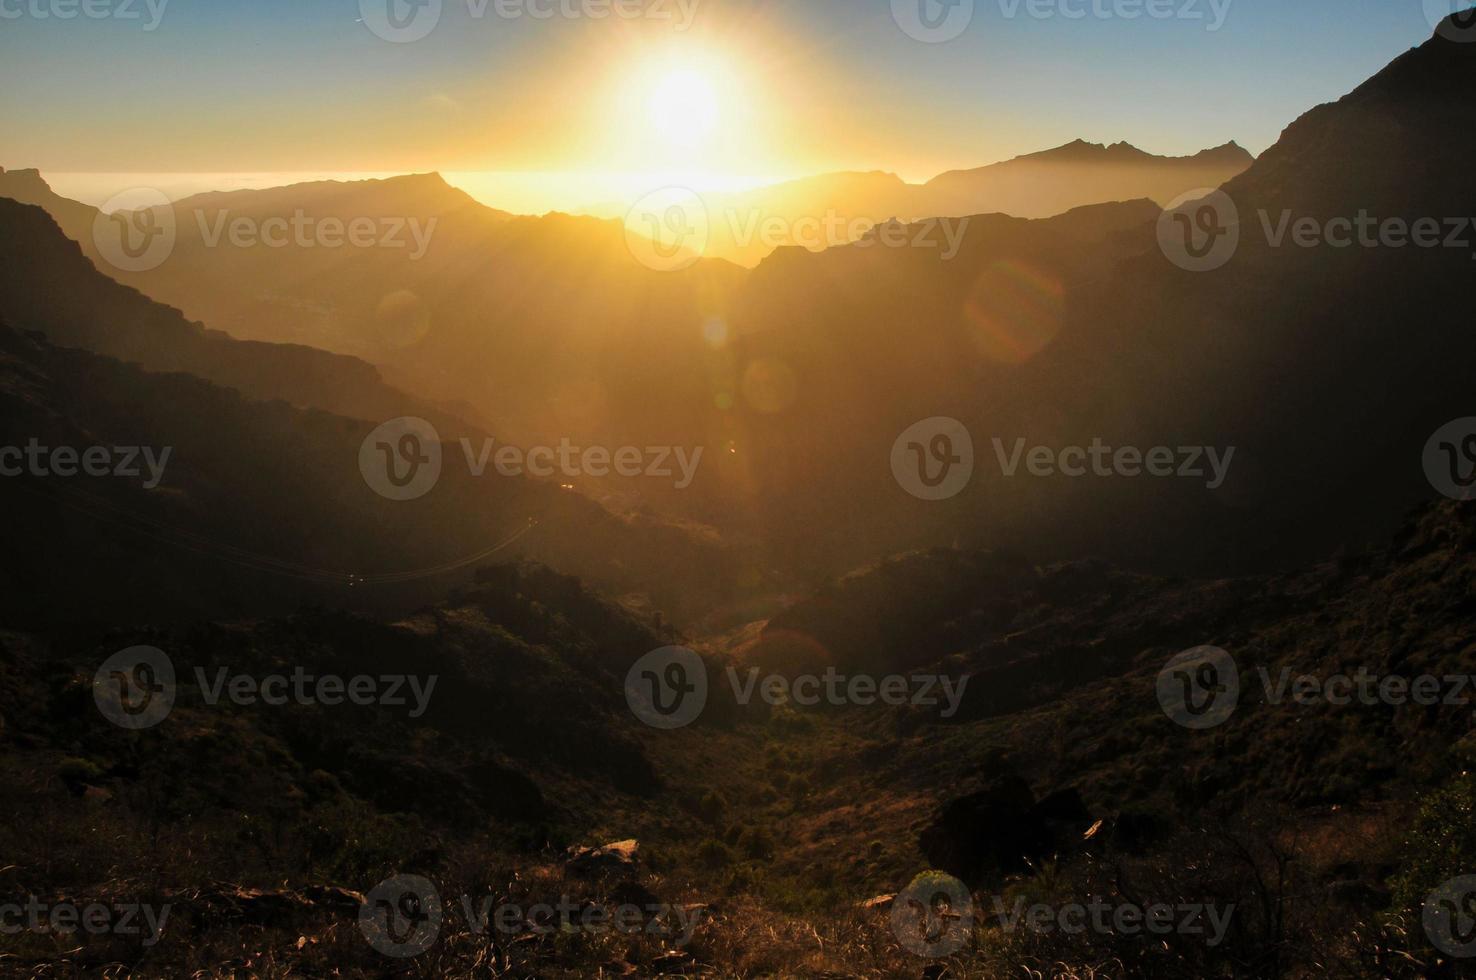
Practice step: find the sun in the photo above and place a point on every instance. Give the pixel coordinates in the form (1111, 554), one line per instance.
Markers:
(684, 108)
(685, 118)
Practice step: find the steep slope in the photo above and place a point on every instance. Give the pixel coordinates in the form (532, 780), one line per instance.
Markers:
(259, 507)
(876, 339)
(47, 284)
(1361, 344)
(1363, 347)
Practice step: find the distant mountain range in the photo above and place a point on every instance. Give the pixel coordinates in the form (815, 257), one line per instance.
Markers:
(1036, 185)
(797, 376)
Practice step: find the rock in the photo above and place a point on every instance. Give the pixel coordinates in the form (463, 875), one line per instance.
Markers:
(880, 903)
(1002, 829)
(619, 857)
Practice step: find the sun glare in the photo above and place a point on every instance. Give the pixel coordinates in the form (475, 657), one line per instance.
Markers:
(683, 108)
(681, 112)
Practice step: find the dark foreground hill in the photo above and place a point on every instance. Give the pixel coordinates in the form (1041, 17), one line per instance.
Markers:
(1313, 830)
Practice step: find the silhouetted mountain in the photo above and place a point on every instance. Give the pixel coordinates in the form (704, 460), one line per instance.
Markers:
(834, 209)
(938, 336)
(1038, 185)
(261, 507)
(1363, 347)
(47, 284)
(28, 187)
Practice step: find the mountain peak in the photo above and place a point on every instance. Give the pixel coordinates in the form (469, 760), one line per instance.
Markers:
(28, 180)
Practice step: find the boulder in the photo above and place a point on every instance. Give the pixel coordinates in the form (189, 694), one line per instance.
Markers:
(1002, 829)
(619, 858)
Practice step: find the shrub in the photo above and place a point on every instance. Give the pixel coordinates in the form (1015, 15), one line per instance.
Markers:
(1441, 843)
(714, 854)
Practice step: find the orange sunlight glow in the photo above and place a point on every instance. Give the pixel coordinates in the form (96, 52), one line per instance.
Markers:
(682, 112)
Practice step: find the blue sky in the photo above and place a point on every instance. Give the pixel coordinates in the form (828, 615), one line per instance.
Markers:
(805, 85)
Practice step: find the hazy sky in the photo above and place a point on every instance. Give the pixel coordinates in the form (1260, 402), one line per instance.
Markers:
(749, 88)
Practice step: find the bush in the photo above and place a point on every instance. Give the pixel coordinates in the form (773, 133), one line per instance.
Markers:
(756, 844)
(1441, 843)
(714, 854)
(712, 806)
(75, 772)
